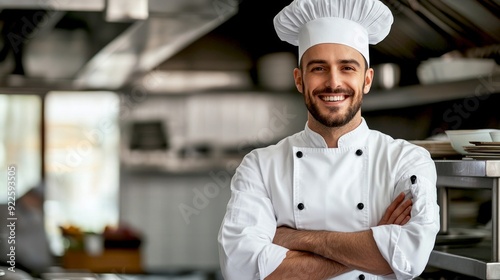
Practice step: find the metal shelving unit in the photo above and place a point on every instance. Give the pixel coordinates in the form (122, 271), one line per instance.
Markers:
(481, 260)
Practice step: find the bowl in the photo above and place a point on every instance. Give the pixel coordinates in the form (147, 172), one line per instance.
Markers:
(461, 138)
(495, 136)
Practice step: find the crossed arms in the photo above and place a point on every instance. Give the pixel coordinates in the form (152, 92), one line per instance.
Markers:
(325, 254)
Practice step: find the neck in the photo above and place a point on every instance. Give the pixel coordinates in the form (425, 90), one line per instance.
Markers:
(333, 134)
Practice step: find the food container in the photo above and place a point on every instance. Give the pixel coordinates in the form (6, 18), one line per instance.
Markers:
(386, 76)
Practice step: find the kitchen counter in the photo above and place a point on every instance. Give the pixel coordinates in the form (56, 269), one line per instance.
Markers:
(479, 260)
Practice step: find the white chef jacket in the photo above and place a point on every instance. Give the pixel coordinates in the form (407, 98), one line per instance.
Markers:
(302, 184)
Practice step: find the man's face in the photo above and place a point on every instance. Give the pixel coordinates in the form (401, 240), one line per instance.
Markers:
(333, 80)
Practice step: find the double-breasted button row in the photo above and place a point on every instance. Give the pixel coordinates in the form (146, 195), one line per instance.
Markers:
(301, 206)
(299, 154)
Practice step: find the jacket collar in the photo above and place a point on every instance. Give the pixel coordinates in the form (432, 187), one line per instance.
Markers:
(355, 137)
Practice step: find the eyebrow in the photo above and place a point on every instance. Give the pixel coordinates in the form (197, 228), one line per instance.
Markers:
(340, 61)
(315, 61)
(349, 61)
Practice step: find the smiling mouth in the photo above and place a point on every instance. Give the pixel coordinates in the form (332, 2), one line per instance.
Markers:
(333, 98)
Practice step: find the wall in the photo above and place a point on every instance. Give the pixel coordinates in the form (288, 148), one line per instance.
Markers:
(179, 221)
(179, 210)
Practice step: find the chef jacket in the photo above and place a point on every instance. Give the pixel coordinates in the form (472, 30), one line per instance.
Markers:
(302, 184)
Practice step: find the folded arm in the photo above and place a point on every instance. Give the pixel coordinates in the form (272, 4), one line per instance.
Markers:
(304, 265)
(341, 251)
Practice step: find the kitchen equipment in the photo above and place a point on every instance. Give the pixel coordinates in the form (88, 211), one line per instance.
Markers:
(386, 76)
(149, 135)
(483, 259)
(436, 70)
(461, 138)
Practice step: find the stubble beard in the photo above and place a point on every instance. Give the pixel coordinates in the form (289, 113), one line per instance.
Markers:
(332, 118)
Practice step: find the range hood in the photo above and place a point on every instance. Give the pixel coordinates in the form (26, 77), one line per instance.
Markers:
(133, 37)
(427, 28)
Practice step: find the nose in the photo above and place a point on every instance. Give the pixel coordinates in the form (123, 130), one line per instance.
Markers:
(333, 79)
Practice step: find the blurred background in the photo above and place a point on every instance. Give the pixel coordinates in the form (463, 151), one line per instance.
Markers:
(125, 119)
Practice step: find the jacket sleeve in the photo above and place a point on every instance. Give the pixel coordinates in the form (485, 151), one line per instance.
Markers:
(407, 248)
(245, 237)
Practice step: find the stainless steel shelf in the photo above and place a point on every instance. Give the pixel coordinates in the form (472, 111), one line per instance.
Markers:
(473, 174)
(416, 95)
(453, 261)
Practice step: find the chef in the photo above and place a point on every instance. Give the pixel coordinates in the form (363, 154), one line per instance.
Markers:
(336, 200)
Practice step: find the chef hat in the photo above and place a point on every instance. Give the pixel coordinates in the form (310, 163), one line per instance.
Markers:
(355, 23)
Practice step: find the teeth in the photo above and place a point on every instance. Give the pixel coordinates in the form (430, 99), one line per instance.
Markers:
(334, 98)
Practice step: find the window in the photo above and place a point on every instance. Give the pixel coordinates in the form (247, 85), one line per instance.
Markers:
(20, 142)
(81, 163)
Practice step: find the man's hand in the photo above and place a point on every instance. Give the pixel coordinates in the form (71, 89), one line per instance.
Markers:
(398, 213)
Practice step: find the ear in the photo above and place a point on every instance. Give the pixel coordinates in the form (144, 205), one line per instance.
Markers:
(368, 80)
(297, 76)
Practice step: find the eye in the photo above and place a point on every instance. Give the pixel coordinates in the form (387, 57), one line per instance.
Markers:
(317, 69)
(348, 68)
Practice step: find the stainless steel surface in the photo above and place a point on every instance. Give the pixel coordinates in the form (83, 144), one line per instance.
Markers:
(469, 174)
(468, 168)
(420, 95)
(494, 219)
(465, 265)
(443, 203)
(421, 25)
(144, 46)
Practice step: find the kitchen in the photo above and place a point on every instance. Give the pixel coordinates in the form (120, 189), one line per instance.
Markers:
(137, 114)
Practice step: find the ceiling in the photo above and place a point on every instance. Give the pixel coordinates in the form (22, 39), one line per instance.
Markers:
(91, 44)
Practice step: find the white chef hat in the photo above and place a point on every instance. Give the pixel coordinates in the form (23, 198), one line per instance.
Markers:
(355, 23)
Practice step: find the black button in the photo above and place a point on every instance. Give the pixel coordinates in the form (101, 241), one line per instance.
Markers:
(300, 206)
(361, 277)
(413, 179)
(359, 152)
(361, 206)
(299, 154)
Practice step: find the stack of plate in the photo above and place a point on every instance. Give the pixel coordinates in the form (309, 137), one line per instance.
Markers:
(436, 148)
(483, 150)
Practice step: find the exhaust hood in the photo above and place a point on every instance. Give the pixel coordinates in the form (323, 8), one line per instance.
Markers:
(132, 37)
(425, 28)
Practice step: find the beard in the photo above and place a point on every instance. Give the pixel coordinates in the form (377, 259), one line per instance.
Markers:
(332, 118)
